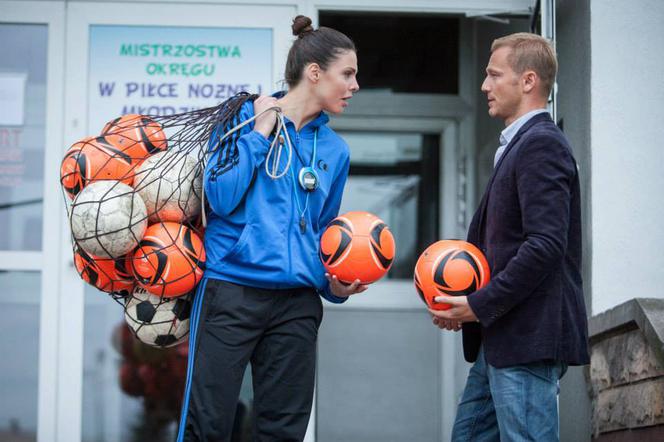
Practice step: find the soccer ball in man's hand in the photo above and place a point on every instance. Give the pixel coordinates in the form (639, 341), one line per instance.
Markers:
(156, 321)
(108, 219)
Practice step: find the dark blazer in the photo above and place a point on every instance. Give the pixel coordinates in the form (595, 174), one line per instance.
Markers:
(528, 225)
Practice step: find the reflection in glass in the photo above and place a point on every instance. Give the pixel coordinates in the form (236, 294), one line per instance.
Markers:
(133, 392)
(395, 176)
(392, 198)
(22, 134)
(19, 345)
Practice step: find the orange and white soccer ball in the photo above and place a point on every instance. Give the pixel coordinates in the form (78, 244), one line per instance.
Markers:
(94, 159)
(169, 260)
(357, 245)
(138, 136)
(450, 268)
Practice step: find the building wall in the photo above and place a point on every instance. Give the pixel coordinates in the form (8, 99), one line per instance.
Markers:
(626, 135)
(573, 49)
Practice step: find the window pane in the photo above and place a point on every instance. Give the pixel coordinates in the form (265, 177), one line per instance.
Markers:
(22, 134)
(131, 391)
(19, 345)
(108, 413)
(411, 53)
(395, 176)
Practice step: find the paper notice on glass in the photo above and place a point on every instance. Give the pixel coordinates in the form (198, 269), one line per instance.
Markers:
(12, 98)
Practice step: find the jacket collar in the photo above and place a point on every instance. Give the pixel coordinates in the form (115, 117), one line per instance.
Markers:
(544, 116)
(510, 131)
(311, 126)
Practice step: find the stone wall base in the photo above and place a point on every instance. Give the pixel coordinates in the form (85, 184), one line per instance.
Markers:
(646, 434)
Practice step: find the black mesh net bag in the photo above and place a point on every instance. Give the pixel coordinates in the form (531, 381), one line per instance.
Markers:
(135, 206)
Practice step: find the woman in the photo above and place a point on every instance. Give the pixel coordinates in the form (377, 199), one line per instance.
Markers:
(260, 299)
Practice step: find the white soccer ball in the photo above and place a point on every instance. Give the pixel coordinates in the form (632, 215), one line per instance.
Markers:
(170, 184)
(157, 321)
(108, 219)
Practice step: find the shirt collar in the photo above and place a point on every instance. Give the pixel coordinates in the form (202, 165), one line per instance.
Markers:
(508, 133)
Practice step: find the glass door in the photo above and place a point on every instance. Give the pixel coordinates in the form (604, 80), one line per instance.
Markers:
(203, 53)
(376, 353)
(30, 130)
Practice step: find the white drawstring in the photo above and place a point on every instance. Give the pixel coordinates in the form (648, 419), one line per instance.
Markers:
(281, 126)
(273, 173)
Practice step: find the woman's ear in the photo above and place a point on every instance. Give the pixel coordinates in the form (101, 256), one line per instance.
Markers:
(312, 72)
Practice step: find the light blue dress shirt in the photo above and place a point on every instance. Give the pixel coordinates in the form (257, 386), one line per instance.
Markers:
(508, 133)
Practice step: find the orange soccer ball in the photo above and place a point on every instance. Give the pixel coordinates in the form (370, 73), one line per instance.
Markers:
(92, 159)
(450, 268)
(170, 260)
(138, 136)
(107, 274)
(357, 245)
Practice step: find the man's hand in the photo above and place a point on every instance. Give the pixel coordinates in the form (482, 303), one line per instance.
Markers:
(453, 318)
(446, 324)
(342, 290)
(265, 123)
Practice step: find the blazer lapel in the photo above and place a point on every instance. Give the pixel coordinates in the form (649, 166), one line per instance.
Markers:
(530, 123)
(485, 198)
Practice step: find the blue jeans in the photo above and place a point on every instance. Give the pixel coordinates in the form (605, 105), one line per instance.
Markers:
(510, 404)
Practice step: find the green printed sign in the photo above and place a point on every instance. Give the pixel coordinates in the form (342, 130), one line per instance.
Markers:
(168, 70)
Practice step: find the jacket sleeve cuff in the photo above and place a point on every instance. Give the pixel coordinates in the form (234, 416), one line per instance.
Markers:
(486, 313)
(328, 295)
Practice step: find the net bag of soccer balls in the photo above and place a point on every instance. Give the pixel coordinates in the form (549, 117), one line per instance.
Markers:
(133, 194)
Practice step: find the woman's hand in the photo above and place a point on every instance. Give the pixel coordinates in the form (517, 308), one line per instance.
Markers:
(265, 123)
(343, 290)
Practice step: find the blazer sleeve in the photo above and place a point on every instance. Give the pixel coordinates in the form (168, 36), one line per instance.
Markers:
(545, 170)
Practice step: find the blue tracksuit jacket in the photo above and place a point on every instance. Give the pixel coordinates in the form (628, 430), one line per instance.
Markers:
(253, 236)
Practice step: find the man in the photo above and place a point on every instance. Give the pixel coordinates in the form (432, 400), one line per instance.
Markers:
(529, 323)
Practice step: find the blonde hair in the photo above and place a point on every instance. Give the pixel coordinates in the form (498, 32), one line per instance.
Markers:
(530, 52)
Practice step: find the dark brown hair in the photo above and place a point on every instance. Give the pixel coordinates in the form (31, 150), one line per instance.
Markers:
(320, 46)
